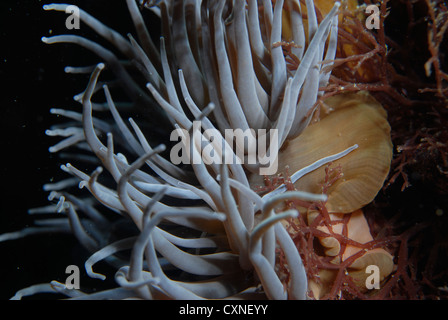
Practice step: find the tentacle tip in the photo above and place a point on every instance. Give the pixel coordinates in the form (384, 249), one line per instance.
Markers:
(210, 107)
(295, 214)
(98, 170)
(82, 184)
(99, 276)
(221, 217)
(160, 148)
(66, 167)
(56, 285)
(44, 39)
(78, 97)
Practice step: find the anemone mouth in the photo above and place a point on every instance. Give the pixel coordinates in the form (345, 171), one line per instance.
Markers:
(220, 65)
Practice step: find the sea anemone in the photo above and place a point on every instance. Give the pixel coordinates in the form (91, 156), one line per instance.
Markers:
(202, 232)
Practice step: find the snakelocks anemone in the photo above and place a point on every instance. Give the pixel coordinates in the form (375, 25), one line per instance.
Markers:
(202, 230)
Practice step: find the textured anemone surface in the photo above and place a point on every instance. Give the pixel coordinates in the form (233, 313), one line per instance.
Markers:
(201, 232)
(355, 118)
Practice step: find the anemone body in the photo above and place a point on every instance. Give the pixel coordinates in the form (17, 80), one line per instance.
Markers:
(202, 232)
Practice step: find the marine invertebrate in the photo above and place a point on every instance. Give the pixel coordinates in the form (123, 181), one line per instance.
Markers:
(416, 113)
(206, 221)
(349, 188)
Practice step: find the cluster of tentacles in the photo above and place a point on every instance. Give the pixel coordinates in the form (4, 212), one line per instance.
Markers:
(217, 64)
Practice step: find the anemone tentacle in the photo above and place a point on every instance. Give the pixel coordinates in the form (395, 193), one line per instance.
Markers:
(219, 64)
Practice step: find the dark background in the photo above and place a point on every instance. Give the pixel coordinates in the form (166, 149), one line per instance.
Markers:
(33, 81)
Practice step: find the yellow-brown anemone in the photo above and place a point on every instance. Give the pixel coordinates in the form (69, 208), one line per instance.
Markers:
(355, 119)
(352, 119)
(344, 120)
